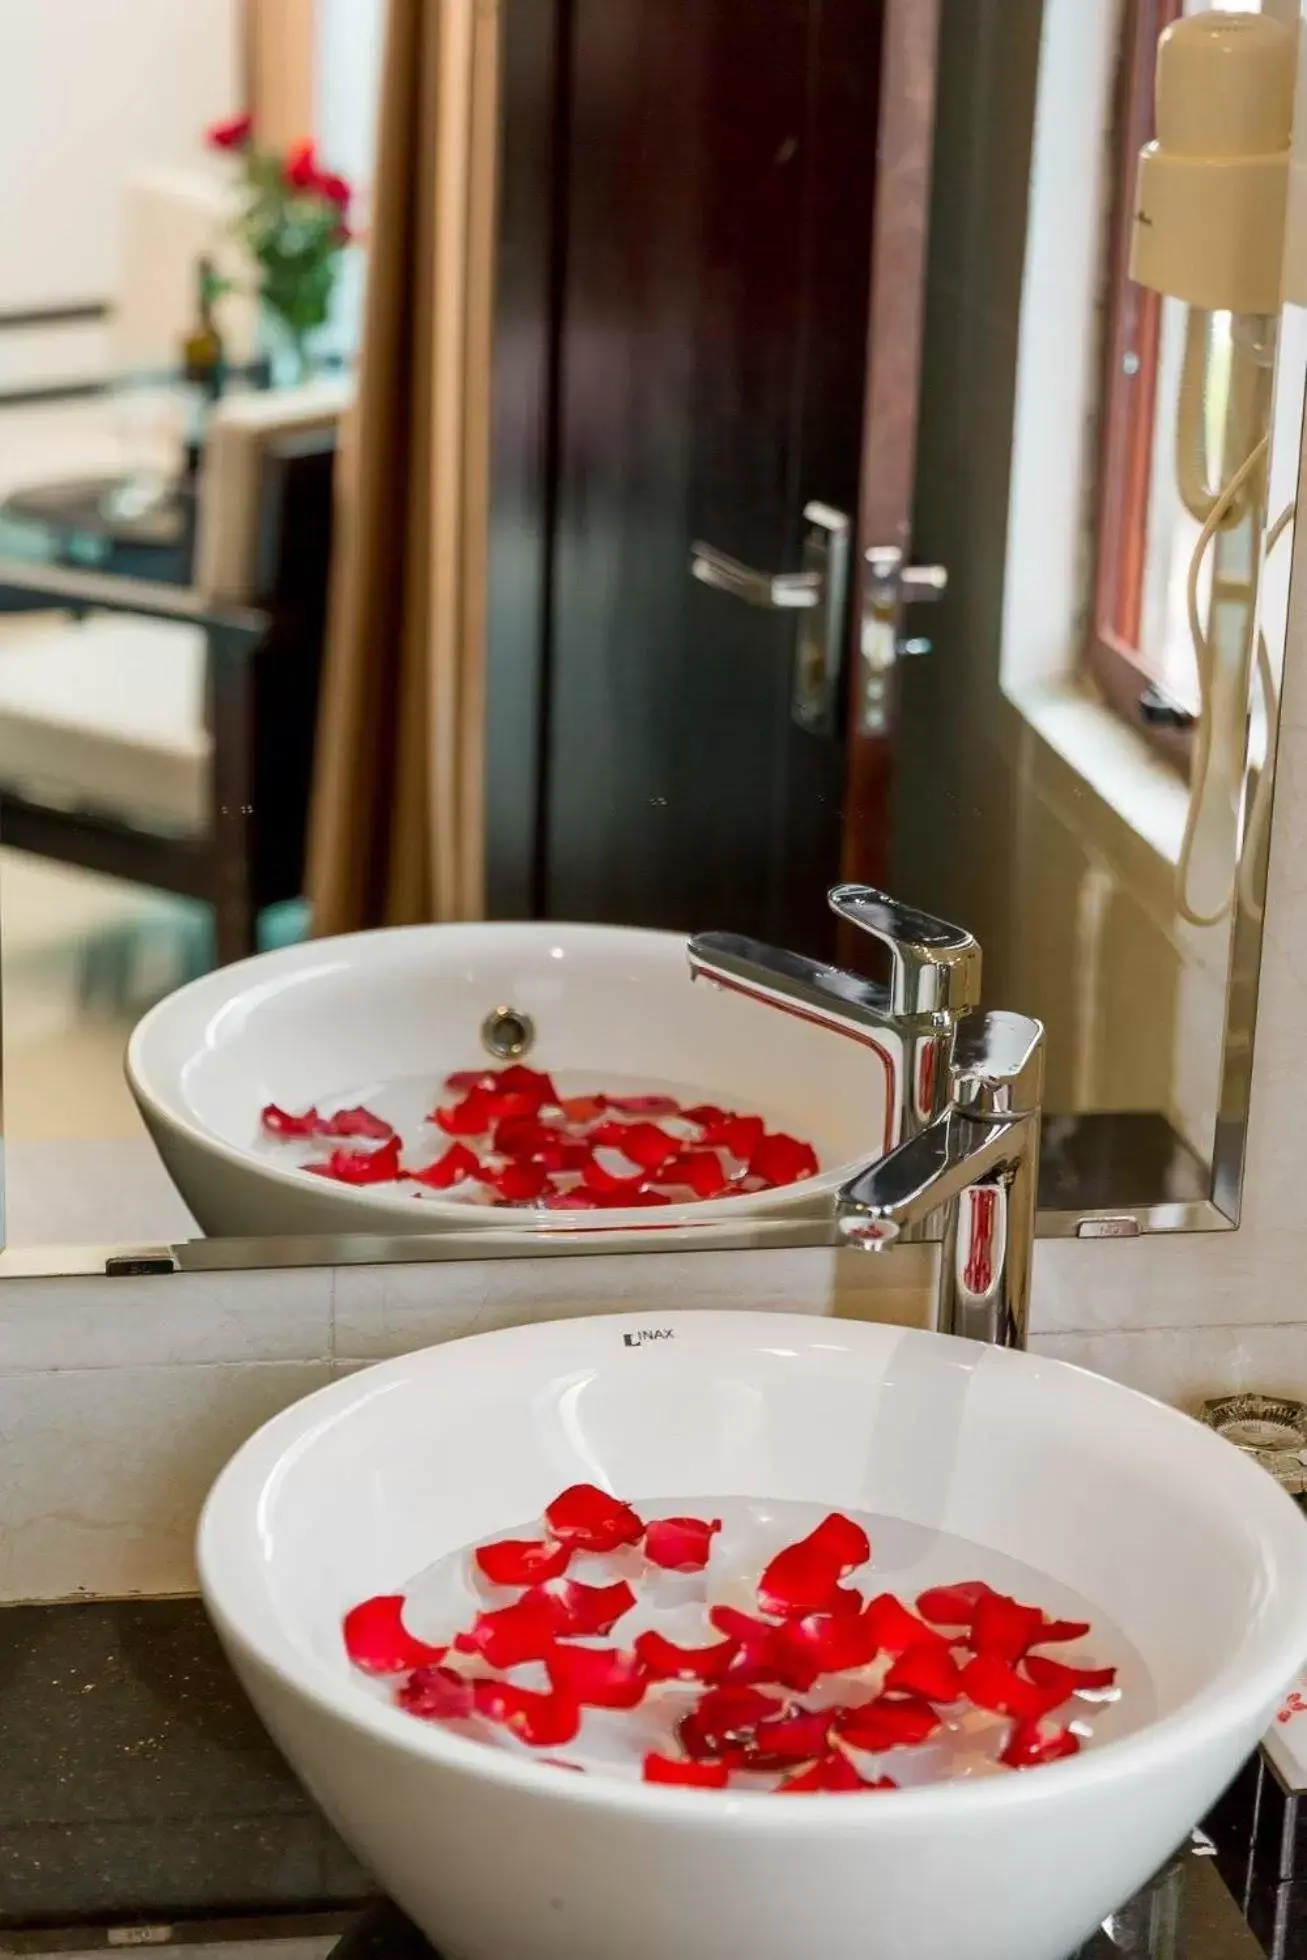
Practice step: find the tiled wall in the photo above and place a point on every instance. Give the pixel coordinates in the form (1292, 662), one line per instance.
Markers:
(120, 1400)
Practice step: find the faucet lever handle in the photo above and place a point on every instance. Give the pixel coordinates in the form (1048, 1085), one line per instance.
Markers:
(934, 966)
(998, 1064)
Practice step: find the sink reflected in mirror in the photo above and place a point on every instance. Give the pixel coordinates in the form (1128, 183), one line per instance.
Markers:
(745, 518)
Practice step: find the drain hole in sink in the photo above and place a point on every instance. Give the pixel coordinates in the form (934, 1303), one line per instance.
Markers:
(507, 1034)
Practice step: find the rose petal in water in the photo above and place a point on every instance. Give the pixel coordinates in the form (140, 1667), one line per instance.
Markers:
(680, 1544)
(688, 1775)
(593, 1520)
(378, 1642)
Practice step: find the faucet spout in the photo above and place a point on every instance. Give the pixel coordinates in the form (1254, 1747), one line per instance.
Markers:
(934, 976)
(927, 1172)
(797, 985)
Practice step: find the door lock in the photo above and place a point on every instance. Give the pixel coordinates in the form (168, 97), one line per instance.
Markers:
(818, 593)
(890, 585)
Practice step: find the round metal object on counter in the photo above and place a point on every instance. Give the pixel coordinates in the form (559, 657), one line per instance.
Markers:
(507, 1034)
(1272, 1429)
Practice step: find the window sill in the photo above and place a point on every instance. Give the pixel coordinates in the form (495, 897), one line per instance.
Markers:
(1117, 764)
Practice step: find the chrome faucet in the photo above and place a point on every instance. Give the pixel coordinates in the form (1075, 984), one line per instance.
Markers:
(934, 979)
(966, 1091)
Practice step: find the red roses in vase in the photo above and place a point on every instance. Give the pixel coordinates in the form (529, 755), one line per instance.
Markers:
(294, 220)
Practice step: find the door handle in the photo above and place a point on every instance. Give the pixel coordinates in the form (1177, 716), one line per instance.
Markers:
(773, 591)
(889, 586)
(818, 592)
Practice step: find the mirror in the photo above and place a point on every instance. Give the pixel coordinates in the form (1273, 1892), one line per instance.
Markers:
(534, 479)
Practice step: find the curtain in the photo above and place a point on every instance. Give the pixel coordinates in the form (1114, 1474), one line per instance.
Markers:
(279, 51)
(396, 825)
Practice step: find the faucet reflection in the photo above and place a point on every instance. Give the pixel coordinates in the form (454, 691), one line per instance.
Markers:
(965, 1102)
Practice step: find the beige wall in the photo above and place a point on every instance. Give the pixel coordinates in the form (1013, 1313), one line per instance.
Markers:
(92, 93)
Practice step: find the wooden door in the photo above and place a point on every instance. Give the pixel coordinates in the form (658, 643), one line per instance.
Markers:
(737, 193)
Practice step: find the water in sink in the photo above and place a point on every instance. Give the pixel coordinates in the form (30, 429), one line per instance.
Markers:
(906, 1560)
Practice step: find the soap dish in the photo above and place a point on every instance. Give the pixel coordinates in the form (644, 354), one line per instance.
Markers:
(1272, 1429)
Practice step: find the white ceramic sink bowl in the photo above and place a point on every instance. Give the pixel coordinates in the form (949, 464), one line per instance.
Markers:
(1191, 1550)
(384, 1017)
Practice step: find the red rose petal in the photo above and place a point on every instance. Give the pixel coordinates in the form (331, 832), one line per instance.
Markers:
(930, 1671)
(803, 1578)
(519, 1081)
(889, 1723)
(521, 1183)
(1050, 1674)
(513, 1107)
(996, 1685)
(781, 1159)
(281, 1123)
(583, 1109)
(707, 1115)
(1033, 1743)
(741, 1135)
(541, 1720)
(644, 1105)
(455, 1167)
(680, 1544)
(794, 1738)
(663, 1660)
(522, 1561)
(623, 1198)
(357, 1122)
(592, 1520)
(1003, 1628)
(953, 1606)
(605, 1185)
(510, 1635)
(742, 1626)
(847, 1600)
(377, 1640)
(699, 1171)
(526, 1136)
(464, 1079)
(757, 1665)
(579, 1610)
(844, 1539)
(380, 1166)
(1060, 1630)
(645, 1144)
(691, 1776)
(896, 1629)
(834, 1774)
(725, 1721)
(474, 1116)
(830, 1643)
(437, 1694)
(598, 1677)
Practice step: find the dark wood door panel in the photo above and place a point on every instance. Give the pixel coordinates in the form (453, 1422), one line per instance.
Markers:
(713, 314)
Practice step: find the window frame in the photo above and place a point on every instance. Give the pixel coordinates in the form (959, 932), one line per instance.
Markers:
(1113, 657)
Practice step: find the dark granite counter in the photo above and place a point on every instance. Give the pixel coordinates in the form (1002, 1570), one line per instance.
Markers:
(136, 1781)
(138, 1790)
